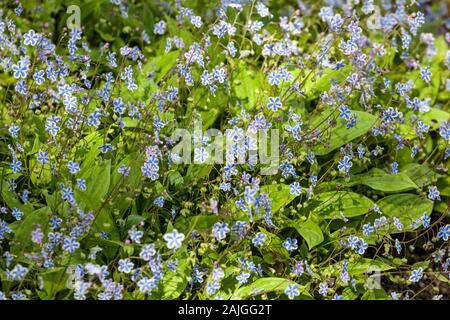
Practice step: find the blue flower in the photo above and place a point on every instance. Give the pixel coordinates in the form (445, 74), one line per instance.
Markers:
(14, 130)
(444, 130)
(394, 168)
(295, 188)
(426, 220)
(425, 74)
(274, 103)
(196, 21)
(200, 155)
(398, 246)
(398, 224)
(219, 74)
(147, 285)
(292, 291)
(368, 229)
(55, 222)
(31, 38)
(160, 28)
(67, 194)
(70, 102)
(20, 70)
(345, 164)
(197, 275)
(290, 244)
(262, 10)
(124, 170)
(274, 78)
(81, 184)
(345, 113)
(70, 244)
(259, 239)
(361, 246)
(352, 242)
(217, 274)
(416, 275)
(206, 78)
(125, 265)
(18, 273)
(220, 230)
(249, 194)
(174, 239)
(243, 277)
(135, 235)
(73, 167)
(444, 232)
(147, 252)
(104, 148)
(323, 288)
(433, 193)
(16, 165)
(17, 214)
(52, 124)
(361, 151)
(159, 201)
(212, 287)
(311, 157)
(43, 157)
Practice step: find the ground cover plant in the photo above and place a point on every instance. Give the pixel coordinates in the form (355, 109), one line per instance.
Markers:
(224, 149)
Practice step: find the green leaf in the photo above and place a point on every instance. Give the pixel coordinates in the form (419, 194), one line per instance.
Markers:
(265, 285)
(340, 135)
(368, 265)
(175, 179)
(314, 86)
(310, 231)
(248, 86)
(133, 220)
(349, 294)
(375, 294)
(106, 223)
(441, 50)
(443, 185)
(105, 36)
(88, 149)
(199, 223)
(359, 267)
(196, 172)
(378, 179)
(209, 116)
(279, 194)
(12, 201)
(276, 245)
(434, 117)
(54, 281)
(349, 203)
(22, 229)
(420, 174)
(406, 207)
(388, 59)
(174, 283)
(161, 64)
(97, 182)
(421, 264)
(129, 122)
